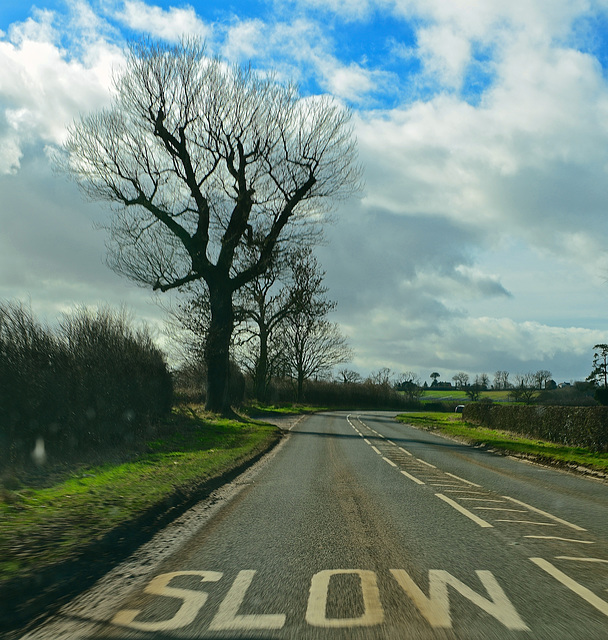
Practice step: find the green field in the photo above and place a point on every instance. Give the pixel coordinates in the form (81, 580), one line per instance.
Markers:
(446, 395)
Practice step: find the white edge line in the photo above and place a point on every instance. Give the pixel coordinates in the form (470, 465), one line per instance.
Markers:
(548, 515)
(567, 581)
(411, 477)
(462, 479)
(465, 512)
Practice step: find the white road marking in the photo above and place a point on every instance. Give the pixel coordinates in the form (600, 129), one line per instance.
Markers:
(316, 616)
(465, 512)
(228, 617)
(193, 600)
(436, 607)
(411, 477)
(428, 464)
(544, 513)
(406, 451)
(501, 509)
(376, 450)
(389, 461)
(462, 479)
(540, 524)
(479, 493)
(602, 560)
(567, 581)
(482, 499)
(562, 539)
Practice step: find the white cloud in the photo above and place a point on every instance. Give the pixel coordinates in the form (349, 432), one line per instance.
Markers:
(245, 39)
(444, 53)
(170, 25)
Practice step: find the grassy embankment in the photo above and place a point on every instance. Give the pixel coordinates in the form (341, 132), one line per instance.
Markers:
(49, 519)
(452, 424)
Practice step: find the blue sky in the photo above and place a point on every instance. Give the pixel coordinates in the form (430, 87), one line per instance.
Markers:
(480, 240)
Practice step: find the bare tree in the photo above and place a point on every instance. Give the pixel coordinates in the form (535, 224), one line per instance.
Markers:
(542, 377)
(461, 379)
(501, 380)
(524, 389)
(348, 376)
(410, 384)
(310, 344)
(382, 377)
(210, 169)
(313, 346)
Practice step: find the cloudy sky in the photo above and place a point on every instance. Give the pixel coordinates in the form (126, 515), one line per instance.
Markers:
(480, 240)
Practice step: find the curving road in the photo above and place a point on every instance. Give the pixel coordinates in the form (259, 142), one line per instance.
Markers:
(360, 527)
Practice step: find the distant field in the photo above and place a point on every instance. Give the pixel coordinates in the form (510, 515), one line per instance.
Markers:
(458, 394)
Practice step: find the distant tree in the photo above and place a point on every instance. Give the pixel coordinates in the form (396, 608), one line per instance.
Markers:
(435, 376)
(409, 384)
(461, 379)
(483, 381)
(501, 380)
(382, 377)
(599, 375)
(474, 390)
(541, 377)
(524, 389)
(348, 376)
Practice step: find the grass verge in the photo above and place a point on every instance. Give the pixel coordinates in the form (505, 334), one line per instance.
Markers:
(46, 526)
(256, 409)
(541, 450)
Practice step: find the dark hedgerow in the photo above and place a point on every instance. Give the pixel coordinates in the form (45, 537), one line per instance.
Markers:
(94, 381)
(572, 426)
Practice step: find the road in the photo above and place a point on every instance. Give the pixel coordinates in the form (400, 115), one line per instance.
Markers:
(361, 527)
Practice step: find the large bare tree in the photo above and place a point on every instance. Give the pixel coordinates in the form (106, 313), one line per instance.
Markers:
(211, 169)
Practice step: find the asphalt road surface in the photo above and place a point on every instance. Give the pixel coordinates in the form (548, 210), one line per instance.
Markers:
(361, 527)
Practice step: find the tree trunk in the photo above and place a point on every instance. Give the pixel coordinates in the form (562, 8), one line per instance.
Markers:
(218, 350)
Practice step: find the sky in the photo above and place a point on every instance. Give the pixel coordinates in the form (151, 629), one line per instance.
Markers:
(479, 241)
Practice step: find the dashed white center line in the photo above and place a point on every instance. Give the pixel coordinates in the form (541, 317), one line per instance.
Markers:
(389, 461)
(376, 450)
(406, 451)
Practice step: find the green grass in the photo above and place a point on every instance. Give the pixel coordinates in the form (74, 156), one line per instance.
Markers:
(286, 409)
(40, 526)
(453, 425)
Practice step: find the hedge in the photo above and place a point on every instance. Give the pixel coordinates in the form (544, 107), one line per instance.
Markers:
(572, 426)
(91, 382)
